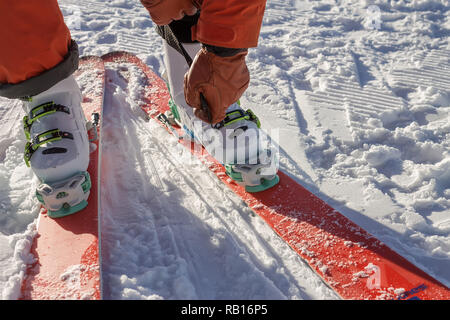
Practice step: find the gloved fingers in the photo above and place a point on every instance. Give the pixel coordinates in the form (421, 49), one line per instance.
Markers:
(192, 99)
(211, 95)
(190, 10)
(164, 12)
(199, 113)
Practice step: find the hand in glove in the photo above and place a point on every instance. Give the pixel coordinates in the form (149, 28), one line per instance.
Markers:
(164, 12)
(221, 80)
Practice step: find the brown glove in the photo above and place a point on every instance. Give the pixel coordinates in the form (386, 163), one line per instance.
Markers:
(221, 80)
(164, 12)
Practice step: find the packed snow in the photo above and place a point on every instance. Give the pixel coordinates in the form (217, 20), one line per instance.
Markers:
(357, 93)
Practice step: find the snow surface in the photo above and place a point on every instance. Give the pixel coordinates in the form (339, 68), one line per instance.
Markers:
(358, 92)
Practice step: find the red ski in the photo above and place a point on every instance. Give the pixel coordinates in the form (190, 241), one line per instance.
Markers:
(66, 249)
(351, 261)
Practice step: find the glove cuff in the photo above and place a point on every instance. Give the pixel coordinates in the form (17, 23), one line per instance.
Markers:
(222, 51)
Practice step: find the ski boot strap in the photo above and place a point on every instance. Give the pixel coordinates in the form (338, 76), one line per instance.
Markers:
(236, 115)
(43, 138)
(39, 112)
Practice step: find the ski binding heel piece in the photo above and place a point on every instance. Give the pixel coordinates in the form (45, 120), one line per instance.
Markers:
(65, 197)
(252, 177)
(255, 177)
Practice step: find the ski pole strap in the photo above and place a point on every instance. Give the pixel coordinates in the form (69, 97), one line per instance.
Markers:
(237, 115)
(41, 111)
(43, 138)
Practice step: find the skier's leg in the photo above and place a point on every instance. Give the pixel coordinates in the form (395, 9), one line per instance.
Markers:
(34, 39)
(237, 142)
(176, 67)
(37, 60)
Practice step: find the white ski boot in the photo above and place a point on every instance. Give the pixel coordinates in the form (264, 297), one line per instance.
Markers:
(58, 148)
(237, 142)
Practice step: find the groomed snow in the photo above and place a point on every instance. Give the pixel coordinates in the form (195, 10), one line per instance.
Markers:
(357, 93)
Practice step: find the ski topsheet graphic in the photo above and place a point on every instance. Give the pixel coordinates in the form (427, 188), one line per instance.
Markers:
(351, 261)
(66, 249)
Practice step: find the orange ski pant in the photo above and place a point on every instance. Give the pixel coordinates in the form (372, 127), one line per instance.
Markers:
(33, 38)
